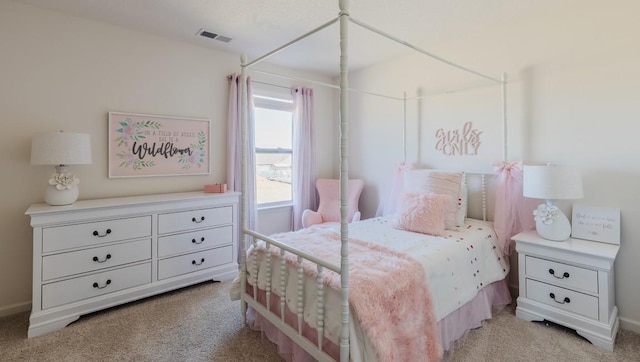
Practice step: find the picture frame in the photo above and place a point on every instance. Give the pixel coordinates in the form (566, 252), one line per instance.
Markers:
(142, 145)
(600, 224)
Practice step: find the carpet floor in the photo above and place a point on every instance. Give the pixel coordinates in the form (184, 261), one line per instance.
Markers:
(200, 323)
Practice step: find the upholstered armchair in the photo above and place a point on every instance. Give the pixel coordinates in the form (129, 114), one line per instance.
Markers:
(329, 206)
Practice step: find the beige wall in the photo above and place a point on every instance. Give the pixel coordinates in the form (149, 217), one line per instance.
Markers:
(572, 99)
(61, 72)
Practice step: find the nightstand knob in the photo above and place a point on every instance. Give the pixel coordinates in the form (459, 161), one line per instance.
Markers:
(193, 219)
(564, 275)
(566, 299)
(196, 263)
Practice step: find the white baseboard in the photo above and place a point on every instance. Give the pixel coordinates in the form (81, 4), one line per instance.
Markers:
(11, 309)
(630, 325)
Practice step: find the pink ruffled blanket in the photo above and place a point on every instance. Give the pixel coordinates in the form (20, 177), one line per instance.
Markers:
(388, 293)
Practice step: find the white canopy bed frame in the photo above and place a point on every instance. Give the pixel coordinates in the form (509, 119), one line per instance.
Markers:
(313, 348)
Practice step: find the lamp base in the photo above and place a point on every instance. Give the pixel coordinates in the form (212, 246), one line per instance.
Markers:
(55, 197)
(558, 230)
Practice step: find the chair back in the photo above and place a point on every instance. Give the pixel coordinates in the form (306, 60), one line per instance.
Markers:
(329, 196)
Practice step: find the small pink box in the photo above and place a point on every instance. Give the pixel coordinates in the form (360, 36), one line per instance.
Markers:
(215, 188)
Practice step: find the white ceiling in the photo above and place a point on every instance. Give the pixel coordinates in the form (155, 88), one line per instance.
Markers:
(259, 26)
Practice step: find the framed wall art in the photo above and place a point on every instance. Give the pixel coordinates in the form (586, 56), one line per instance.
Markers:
(147, 145)
(596, 223)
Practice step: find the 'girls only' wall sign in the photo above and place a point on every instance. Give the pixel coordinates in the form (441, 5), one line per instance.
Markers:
(147, 145)
(464, 142)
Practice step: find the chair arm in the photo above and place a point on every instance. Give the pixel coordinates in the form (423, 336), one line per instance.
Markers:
(356, 216)
(310, 217)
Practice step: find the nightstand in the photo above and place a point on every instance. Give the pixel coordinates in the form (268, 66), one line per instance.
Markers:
(570, 283)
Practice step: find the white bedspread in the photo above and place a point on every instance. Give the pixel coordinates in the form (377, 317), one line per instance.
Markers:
(456, 266)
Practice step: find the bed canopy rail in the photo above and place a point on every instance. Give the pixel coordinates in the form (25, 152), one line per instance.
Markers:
(343, 19)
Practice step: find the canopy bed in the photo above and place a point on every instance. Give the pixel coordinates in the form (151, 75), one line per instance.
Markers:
(327, 289)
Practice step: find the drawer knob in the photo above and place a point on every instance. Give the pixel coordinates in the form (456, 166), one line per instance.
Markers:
(96, 233)
(196, 263)
(198, 221)
(565, 300)
(96, 259)
(198, 242)
(97, 286)
(564, 275)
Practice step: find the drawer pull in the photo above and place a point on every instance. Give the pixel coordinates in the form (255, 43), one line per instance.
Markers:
(97, 286)
(96, 259)
(564, 275)
(198, 242)
(198, 221)
(196, 263)
(96, 233)
(566, 299)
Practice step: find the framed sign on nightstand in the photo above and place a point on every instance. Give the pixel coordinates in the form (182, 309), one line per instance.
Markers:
(596, 223)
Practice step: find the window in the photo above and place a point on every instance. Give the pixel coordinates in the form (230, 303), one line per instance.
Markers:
(274, 133)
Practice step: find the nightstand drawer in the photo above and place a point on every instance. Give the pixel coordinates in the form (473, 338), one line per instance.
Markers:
(94, 233)
(562, 298)
(75, 262)
(194, 241)
(563, 275)
(194, 219)
(184, 264)
(59, 293)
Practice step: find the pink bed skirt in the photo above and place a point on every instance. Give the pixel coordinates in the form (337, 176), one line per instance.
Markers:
(490, 299)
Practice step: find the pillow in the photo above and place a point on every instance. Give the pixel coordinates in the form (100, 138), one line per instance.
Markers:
(422, 212)
(440, 182)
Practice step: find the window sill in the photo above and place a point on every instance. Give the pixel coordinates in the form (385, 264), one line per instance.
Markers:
(275, 207)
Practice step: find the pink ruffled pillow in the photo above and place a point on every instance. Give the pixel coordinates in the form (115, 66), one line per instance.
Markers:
(440, 182)
(422, 212)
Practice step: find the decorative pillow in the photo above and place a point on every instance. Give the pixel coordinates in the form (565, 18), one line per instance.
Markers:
(422, 212)
(439, 182)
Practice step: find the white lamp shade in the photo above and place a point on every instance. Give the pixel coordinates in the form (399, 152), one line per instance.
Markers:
(552, 182)
(60, 148)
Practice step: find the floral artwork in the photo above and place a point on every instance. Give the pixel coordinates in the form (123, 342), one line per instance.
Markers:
(144, 145)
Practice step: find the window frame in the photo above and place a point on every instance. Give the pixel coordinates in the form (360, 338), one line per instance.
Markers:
(278, 101)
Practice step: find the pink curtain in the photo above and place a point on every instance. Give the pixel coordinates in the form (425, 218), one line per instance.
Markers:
(513, 212)
(234, 148)
(304, 154)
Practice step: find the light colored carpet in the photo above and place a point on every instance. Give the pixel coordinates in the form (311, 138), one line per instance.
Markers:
(200, 323)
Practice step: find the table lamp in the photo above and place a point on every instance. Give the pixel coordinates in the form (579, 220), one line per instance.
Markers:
(551, 183)
(61, 149)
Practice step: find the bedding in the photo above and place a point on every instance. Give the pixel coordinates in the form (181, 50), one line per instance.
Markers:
(457, 267)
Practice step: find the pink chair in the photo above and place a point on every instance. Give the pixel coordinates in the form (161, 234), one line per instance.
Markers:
(329, 207)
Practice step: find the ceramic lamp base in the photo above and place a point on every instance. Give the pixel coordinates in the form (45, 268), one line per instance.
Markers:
(558, 230)
(55, 197)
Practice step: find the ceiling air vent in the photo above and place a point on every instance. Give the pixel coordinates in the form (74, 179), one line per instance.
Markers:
(208, 34)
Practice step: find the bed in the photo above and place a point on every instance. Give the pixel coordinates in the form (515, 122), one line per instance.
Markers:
(380, 289)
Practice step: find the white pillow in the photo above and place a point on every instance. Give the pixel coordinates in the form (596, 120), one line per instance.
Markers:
(441, 182)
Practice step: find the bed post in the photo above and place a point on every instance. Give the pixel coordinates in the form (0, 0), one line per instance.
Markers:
(243, 177)
(344, 177)
(504, 117)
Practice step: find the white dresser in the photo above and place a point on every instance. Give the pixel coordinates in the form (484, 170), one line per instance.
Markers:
(99, 253)
(570, 283)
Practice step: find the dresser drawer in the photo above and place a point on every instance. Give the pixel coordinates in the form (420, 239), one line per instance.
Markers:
(179, 265)
(562, 298)
(94, 233)
(562, 274)
(76, 262)
(67, 291)
(194, 219)
(194, 241)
